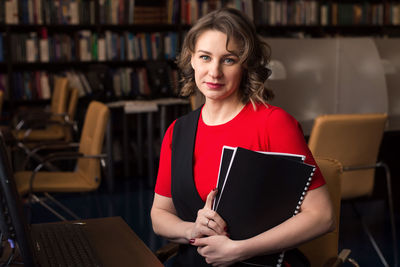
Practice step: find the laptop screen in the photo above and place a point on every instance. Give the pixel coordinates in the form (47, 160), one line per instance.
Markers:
(13, 225)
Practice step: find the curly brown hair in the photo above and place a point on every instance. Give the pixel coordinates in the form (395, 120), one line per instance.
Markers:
(254, 53)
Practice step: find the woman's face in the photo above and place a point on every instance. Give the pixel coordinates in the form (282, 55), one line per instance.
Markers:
(218, 72)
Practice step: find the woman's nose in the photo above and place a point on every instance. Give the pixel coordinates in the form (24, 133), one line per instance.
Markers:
(215, 70)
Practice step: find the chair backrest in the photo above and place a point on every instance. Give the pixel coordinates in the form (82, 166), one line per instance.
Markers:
(71, 111)
(321, 250)
(72, 102)
(60, 95)
(354, 140)
(58, 103)
(91, 142)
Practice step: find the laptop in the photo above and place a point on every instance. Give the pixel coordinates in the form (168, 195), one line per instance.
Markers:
(93, 242)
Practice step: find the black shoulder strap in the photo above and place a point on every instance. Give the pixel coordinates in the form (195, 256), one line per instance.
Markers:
(184, 194)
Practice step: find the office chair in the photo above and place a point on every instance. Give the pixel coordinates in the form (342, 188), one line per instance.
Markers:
(354, 140)
(53, 125)
(323, 251)
(87, 175)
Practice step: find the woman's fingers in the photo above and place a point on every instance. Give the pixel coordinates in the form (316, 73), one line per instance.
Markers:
(216, 223)
(208, 222)
(210, 198)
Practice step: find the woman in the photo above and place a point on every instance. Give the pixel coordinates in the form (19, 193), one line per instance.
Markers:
(224, 59)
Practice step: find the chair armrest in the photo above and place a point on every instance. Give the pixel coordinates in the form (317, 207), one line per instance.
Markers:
(24, 118)
(42, 124)
(69, 155)
(60, 156)
(51, 145)
(54, 145)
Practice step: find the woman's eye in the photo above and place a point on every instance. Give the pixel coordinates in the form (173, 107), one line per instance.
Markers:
(205, 57)
(229, 61)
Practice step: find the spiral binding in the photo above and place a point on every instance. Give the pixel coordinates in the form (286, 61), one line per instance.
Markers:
(297, 210)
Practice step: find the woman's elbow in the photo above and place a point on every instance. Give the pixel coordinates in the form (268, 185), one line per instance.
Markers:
(153, 216)
(331, 224)
(329, 221)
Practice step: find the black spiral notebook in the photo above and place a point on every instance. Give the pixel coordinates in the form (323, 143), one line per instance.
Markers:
(259, 190)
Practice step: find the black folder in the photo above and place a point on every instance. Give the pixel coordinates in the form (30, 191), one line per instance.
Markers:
(258, 191)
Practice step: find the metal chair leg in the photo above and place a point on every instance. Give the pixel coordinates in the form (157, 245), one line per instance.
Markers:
(56, 202)
(36, 199)
(370, 237)
(391, 212)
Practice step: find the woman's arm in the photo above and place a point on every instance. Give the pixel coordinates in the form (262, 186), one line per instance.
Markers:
(167, 224)
(315, 218)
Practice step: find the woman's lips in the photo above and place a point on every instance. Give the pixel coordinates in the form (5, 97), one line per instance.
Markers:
(214, 85)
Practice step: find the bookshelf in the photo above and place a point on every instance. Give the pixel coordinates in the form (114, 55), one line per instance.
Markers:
(116, 38)
(113, 39)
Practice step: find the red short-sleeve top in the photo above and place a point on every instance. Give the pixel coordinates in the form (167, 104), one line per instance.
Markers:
(268, 128)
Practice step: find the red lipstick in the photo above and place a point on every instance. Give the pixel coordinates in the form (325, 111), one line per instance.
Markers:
(214, 85)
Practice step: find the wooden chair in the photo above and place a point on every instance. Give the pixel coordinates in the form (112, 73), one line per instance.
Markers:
(354, 140)
(87, 175)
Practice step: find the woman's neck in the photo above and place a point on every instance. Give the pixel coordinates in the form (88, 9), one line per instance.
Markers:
(216, 113)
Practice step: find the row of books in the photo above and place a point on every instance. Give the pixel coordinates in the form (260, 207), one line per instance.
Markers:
(154, 80)
(111, 83)
(86, 45)
(129, 12)
(68, 12)
(73, 12)
(31, 85)
(286, 12)
(325, 13)
(192, 10)
(364, 13)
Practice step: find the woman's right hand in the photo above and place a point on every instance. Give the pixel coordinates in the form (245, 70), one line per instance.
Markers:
(208, 222)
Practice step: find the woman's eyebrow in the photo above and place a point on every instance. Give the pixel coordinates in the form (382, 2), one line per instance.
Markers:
(203, 51)
(209, 53)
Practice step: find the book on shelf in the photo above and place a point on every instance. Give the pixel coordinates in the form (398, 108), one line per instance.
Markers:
(11, 11)
(44, 85)
(75, 82)
(258, 191)
(32, 53)
(101, 48)
(149, 15)
(44, 46)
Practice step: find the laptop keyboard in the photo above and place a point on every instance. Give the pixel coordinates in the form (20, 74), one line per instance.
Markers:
(64, 245)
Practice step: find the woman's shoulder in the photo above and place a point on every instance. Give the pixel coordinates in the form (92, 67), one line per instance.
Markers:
(271, 112)
(193, 115)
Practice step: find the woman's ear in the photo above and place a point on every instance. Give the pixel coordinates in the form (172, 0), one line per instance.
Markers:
(191, 61)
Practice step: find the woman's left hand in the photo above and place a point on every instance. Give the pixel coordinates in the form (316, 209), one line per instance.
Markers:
(218, 250)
